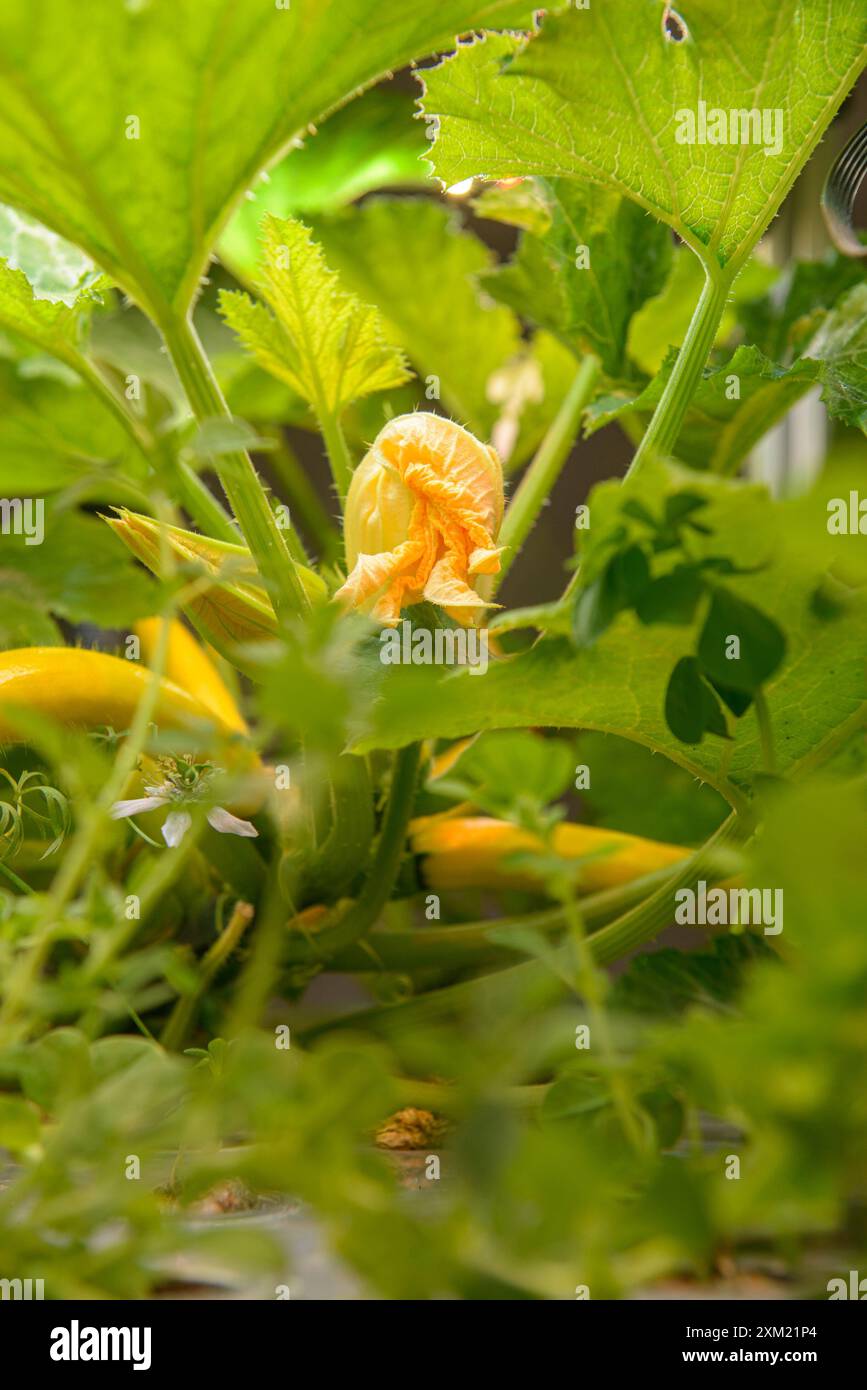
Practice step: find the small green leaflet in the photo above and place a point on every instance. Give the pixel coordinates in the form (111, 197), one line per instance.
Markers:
(602, 95)
(315, 336)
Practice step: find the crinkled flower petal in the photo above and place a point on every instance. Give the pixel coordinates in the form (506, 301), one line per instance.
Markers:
(446, 587)
(227, 824)
(422, 518)
(175, 827)
(121, 809)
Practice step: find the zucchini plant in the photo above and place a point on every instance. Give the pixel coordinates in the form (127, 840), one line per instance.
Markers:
(315, 841)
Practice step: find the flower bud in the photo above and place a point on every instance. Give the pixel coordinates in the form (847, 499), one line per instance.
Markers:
(235, 607)
(422, 519)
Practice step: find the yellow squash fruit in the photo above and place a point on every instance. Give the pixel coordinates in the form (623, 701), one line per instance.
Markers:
(473, 852)
(90, 690)
(422, 518)
(189, 666)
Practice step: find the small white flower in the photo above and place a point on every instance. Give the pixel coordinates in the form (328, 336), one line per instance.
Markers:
(185, 783)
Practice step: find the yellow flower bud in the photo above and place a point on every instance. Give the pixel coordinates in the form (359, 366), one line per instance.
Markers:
(422, 518)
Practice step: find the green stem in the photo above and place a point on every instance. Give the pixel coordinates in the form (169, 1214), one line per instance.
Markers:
(13, 878)
(545, 469)
(625, 934)
(470, 946)
(183, 1014)
(345, 849)
(303, 498)
(592, 984)
(236, 472)
(337, 449)
(381, 878)
(662, 433)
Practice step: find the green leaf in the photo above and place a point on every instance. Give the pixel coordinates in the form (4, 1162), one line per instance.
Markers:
(672, 598)
(841, 347)
(691, 707)
(372, 143)
(138, 150)
(411, 259)
(319, 339)
(20, 1130)
(524, 204)
(600, 95)
(500, 771)
(633, 791)
(620, 586)
(782, 321)
(667, 982)
(23, 621)
(596, 263)
(81, 572)
(761, 645)
(618, 685)
(52, 434)
(734, 406)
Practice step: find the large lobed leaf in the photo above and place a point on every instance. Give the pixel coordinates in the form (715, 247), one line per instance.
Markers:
(597, 95)
(138, 149)
(618, 685)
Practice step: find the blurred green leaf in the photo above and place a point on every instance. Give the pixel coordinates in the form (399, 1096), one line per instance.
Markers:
(82, 572)
(19, 1126)
(583, 279)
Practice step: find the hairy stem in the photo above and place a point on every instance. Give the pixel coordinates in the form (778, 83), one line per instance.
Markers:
(545, 469)
(237, 475)
(662, 433)
(302, 497)
(338, 451)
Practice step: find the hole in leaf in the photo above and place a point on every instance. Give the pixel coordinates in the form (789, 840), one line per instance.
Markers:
(674, 27)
